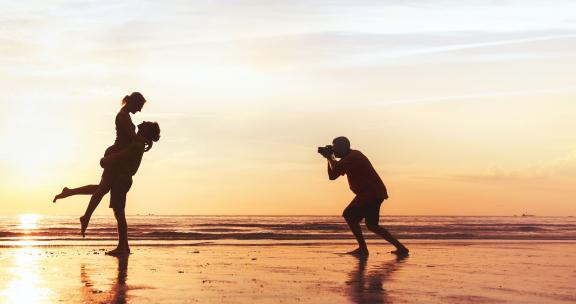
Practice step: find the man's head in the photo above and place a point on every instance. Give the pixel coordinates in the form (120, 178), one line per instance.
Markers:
(341, 146)
(149, 130)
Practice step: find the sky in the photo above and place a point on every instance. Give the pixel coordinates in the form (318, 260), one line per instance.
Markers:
(463, 107)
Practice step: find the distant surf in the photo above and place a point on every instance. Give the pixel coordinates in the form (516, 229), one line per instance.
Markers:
(199, 228)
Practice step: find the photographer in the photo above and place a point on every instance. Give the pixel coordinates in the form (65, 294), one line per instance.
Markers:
(368, 187)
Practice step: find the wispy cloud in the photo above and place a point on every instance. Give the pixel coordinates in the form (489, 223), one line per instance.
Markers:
(386, 56)
(561, 167)
(460, 98)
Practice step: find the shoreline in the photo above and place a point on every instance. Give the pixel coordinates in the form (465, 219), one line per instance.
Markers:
(435, 272)
(191, 243)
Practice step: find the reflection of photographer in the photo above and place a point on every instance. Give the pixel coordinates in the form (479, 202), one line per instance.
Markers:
(368, 187)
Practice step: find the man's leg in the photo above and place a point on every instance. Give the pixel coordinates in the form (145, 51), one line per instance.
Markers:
(122, 229)
(352, 215)
(372, 220)
(382, 232)
(118, 193)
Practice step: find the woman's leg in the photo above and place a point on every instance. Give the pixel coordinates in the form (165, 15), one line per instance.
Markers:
(97, 195)
(84, 190)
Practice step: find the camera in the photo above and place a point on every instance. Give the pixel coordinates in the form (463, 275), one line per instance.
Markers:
(326, 150)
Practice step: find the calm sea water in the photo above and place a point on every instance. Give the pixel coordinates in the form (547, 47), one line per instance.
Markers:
(199, 228)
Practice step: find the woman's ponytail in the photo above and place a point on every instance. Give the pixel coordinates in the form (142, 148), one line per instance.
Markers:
(134, 97)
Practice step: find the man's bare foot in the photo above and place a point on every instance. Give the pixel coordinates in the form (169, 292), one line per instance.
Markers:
(84, 225)
(65, 193)
(118, 251)
(359, 252)
(401, 252)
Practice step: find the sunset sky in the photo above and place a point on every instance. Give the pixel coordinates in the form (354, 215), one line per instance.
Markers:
(464, 107)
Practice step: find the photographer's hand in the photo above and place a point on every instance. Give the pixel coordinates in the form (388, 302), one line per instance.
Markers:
(332, 174)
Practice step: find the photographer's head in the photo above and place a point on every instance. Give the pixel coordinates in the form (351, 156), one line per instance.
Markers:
(341, 146)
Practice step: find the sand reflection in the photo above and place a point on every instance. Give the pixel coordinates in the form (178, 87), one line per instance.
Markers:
(117, 294)
(370, 287)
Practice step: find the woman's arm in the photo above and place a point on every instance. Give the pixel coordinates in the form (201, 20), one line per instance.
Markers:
(125, 124)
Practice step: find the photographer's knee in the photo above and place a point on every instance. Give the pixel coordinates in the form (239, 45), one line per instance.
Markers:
(346, 215)
(372, 227)
(350, 218)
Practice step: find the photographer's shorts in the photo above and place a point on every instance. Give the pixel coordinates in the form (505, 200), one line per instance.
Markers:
(119, 190)
(364, 207)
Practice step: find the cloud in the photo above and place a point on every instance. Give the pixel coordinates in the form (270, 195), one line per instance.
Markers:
(460, 98)
(563, 167)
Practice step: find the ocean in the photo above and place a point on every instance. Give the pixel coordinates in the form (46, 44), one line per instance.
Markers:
(284, 228)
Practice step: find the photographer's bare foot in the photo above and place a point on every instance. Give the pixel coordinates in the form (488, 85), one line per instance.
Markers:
(359, 252)
(83, 225)
(401, 252)
(65, 193)
(118, 251)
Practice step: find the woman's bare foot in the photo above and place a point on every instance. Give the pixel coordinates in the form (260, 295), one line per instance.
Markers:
(118, 251)
(84, 225)
(65, 193)
(359, 252)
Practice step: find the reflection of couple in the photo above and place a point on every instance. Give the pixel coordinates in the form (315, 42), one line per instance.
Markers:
(120, 163)
(118, 289)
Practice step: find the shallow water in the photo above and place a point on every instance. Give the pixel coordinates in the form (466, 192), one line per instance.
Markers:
(286, 228)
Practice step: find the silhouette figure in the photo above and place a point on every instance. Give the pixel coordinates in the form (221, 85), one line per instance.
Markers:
(369, 189)
(125, 134)
(118, 289)
(370, 288)
(125, 164)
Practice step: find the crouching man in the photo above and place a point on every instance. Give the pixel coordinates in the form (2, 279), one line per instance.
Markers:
(368, 187)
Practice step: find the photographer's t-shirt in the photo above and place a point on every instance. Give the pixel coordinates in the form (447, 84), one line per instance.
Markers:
(362, 177)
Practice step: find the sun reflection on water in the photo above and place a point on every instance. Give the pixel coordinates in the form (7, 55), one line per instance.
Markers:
(28, 221)
(26, 285)
(24, 281)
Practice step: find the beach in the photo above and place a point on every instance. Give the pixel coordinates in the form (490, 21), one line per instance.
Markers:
(445, 271)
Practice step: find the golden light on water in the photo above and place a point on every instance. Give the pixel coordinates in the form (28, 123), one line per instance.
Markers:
(28, 221)
(25, 285)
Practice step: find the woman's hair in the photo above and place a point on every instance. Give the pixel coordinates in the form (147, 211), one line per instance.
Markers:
(151, 131)
(135, 97)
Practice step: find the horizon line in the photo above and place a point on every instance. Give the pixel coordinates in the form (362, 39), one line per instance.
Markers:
(304, 215)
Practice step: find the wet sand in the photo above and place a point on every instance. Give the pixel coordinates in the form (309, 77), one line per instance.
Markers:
(436, 272)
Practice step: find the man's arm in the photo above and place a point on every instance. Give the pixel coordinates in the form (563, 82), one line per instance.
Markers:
(335, 168)
(117, 157)
(331, 163)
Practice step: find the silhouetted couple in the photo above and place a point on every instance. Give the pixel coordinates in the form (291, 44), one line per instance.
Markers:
(368, 187)
(120, 162)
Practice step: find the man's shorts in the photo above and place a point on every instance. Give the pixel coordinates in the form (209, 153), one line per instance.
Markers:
(364, 207)
(119, 190)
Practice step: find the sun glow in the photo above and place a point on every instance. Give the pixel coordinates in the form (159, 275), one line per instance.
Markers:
(28, 221)
(35, 145)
